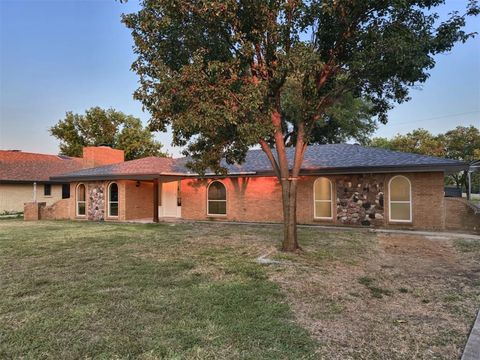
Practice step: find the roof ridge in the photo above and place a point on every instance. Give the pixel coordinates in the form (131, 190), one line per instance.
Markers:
(408, 153)
(58, 156)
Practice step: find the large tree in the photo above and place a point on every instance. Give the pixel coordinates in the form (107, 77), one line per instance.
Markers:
(230, 74)
(105, 127)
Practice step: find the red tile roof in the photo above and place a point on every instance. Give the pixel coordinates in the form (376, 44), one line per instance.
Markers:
(19, 166)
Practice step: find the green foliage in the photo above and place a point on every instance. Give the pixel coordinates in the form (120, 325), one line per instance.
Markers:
(220, 71)
(461, 143)
(476, 154)
(105, 127)
(419, 141)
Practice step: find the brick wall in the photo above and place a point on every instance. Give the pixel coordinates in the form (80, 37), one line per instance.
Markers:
(428, 207)
(259, 199)
(101, 155)
(31, 211)
(459, 215)
(248, 199)
(138, 200)
(41, 211)
(57, 211)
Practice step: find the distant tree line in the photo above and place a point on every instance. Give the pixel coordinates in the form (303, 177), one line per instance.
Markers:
(461, 143)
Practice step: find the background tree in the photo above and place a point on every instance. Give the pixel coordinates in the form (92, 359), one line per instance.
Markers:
(461, 143)
(105, 127)
(230, 74)
(419, 141)
(476, 154)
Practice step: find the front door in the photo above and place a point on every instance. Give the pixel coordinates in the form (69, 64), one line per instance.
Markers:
(169, 198)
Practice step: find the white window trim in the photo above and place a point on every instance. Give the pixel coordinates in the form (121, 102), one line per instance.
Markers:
(390, 201)
(109, 202)
(225, 201)
(77, 202)
(323, 201)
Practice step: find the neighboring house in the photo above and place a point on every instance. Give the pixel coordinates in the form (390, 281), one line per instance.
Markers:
(340, 184)
(25, 177)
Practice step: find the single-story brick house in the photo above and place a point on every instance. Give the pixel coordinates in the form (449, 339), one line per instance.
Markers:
(25, 177)
(340, 184)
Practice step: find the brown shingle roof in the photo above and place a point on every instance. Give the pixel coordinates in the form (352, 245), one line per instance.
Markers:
(149, 167)
(19, 166)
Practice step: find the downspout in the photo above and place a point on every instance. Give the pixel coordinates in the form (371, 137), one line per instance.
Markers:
(469, 179)
(34, 191)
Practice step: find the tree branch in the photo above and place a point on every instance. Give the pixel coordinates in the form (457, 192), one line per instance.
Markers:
(268, 151)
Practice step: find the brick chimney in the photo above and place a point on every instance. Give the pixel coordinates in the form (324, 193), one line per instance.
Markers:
(94, 156)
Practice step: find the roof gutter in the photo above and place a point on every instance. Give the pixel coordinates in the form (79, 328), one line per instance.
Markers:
(69, 178)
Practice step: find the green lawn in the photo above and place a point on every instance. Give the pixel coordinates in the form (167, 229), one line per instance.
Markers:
(194, 291)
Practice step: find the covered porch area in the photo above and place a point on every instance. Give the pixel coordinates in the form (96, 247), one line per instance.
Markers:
(149, 200)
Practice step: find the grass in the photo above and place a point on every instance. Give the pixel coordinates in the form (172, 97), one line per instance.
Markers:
(194, 291)
(75, 290)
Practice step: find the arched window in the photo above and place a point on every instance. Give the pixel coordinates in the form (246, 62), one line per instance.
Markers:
(322, 196)
(400, 199)
(217, 199)
(81, 200)
(113, 200)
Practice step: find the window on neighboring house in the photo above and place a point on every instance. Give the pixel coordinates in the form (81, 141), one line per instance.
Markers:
(113, 200)
(217, 199)
(400, 199)
(47, 190)
(322, 194)
(81, 200)
(65, 191)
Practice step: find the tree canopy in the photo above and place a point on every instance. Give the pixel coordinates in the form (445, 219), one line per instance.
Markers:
(419, 141)
(230, 74)
(461, 143)
(105, 127)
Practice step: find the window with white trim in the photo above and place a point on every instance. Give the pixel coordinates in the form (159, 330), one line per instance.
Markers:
(400, 199)
(217, 199)
(113, 200)
(81, 200)
(322, 198)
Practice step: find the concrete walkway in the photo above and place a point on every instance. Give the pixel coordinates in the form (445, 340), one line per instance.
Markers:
(472, 349)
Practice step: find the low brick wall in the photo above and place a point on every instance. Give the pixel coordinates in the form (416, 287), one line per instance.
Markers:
(31, 210)
(57, 211)
(460, 215)
(40, 211)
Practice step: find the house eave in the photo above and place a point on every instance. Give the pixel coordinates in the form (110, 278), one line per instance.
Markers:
(446, 168)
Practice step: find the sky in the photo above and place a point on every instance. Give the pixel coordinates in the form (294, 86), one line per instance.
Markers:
(67, 55)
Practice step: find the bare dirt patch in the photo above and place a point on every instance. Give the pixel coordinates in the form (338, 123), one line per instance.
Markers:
(400, 297)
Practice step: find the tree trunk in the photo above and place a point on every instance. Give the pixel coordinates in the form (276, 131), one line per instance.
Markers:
(289, 199)
(288, 178)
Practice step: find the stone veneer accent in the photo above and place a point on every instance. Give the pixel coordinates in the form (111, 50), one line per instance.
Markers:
(360, 200)
(96, 201)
